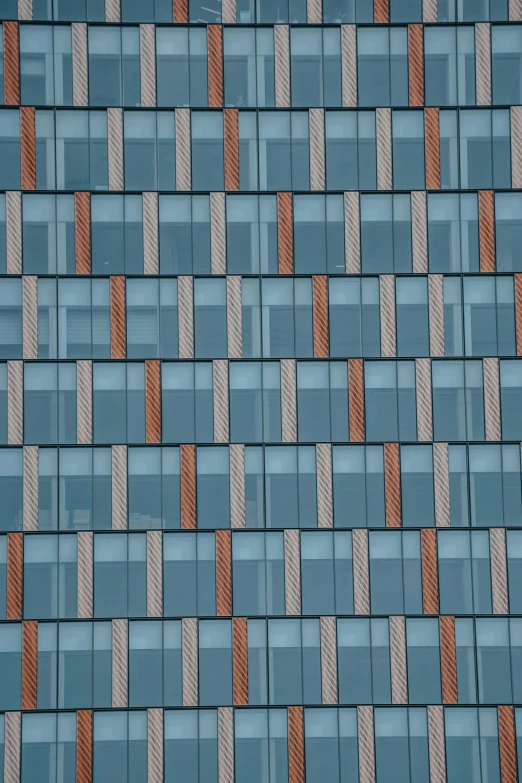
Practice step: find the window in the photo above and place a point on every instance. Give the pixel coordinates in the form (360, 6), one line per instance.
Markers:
(347, 11)
(510, 379)
(493, 660)
(153, 488)
(464, 572)
(74, 10)
(423, 655)
(47, 666)
(395, 572)
(287, 317)
(261, 746)
(50, 403)
(248, 151)
(315, 66)
(294, 665)
(251, 317)
(119, 746)
(465, 654)
(331, 744)
(389, 389)
(412, 316)
(358, 486)
(354, 317)
(453, 238)
(191, 747)
(458, 400)
(82, 153)
(453, 316)
(318, 234)
(201, 11)
(181, 56)
(408, 150)
(84, 665)
(11, 487)
(11, 318)
(189, 568)
(120, 575)
(50, 577)
(255, 401)
(117, 235)
(48, 234)
(146, 11)
(385, 233)
(418, 501)
(11, 666)
(472, 11)
(401, 745)
(84, 488)
(506, 62)
(249, 66)
(210, 318)
(382, 66)
(152, 318)
(207, 150)
(293, 11)
(251, 234)
(351, 152)
(485, 149)
(406, 11)
(495, 485)
(48, 748)
(318, 573)
(489, 316)
(187, 402)
(363, 650)
(118, 403)
(149, 150)
(114, 66)
(145, 663)
(258, 574)
(284, 151)
(508, 231)
(83, 317)
(322, 401)
(215, 662)
(184, 235)
(46, 65)
(290, 486)
(213, 487)
(472, 751)
(10, 149)
(449, 66)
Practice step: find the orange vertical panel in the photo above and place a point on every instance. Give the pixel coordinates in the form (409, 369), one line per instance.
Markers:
(231, 149)
(215, 65)
(240, 659)
(285, 234)
(381, 11)
(448, 660)
(508, 752)
(15, 570)
(223, 574)
(28, 147)
(518, 312)
(180, 11)
(392, 484)
(188, 486)
(84, 746)
(82, 219)
(432, 134)
(117, 293)
(152, 401)
(416, 64)
(320, 310)
(356, 400)
(430, 581)
(11, 64)
(29, 664)
(295, 745)
(486, 231)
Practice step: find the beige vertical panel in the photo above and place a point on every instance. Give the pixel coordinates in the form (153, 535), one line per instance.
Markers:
(314, 11)
(218, 242)
(15, 402)
(84, 401)
(30, 482)
(515, 10)
(349, 65)
(292, 572)
(436, 314)
(150, 234)
(155, 745)
(85, 574)
(183, 151)
(352, 234)
(237, 486)
(328, 660)
(492, 399)
(366, 744)
(361, 573)
(120, 666)
(423, 395)
(419, 232)
(442, 496)
(399, 683)
(30, 316)
(186, 317)
(282, 65)
(324, 485)
(12, 739)
(25, 10)
(112, 10)
(499, 588)
(516, 145)
(13, 227)
(437, 750)
(384, 151)
(429, 11)
(79, 64)
(119, 487)
(483, 63)
(115, 147)
(234, 318)
(228, 11)
(154, 573)
(288, 401)
(225, 745)
(189, 644)
(387, 308)
(316, 129)
(220, 383)
(148, 64)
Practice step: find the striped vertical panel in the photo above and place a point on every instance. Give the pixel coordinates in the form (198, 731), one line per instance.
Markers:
(387, 314)
(285, 233)
(115, 148)
(180, 11)
(15, 572)
(399, 680)
(119, 487)
(30, 484)
(154, 573)
(499, 585)
(437, 748)
(515, 10)
(12, 740)
(218, 237)
(430, 579)
(188, 486)
(483, 63)
(429, 11)
(292, 572)
(317, 163)
(155, 745)
(432, 136)
(118, 330)
(30, 316)
(84, 746)
(508, 749)
(492, 398)
(186, 317)
(381, 11)
(441, 476)
(112, 10)
(324, 485)
(11, 64)
(516, 146)
(150, 234)
(436, 314)
(82, 231)
(228, 11)
(486, 231)
(15, 401)
(329, 660)
(356, 400)
(152, 401)
(13, 227)
(423, 399)
(223, 574)
(361, 573)
(240, 659)
(225, 745)
(352, 234)
(288, 401)
(392, 480)
(234, 317)
(237, 486)
(366, 744)
(79, 64)
(419, 231)
(28, 147)
(518, 312)
(448, 659)
(231, 132)
(314, 11)
(384, 151)
(296, 771)
(84, 401)
(282, 65)
(320, 316)
(215, 65)
(189, 653)
(120, 663)
(25, 10)
(416, 64)
(85, 574)
(220, 389)
(148, 64)
(349, 65)
(183, 150)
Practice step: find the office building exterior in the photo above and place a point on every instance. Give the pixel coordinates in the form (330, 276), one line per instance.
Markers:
(260, 391)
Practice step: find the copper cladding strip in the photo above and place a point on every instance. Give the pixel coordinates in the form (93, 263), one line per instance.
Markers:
(117, 298)
(180, 11)
(392, 484)
(320, 316)
(152, 401)
(231, 131)
(29, 664)
(486, 231)
(296, 772)
(240, 659)
(381, 11)
(215, 65)
(11, 64)
(416, 64)
(84, 746)
(430, 580)
(518, 312)
(223, 574)
(188, 486)
(506, 736)
(432, 134)
(448, 660)
(15, 570)
(285, 234)
(82, 226)
(356, 400)
(28, 147)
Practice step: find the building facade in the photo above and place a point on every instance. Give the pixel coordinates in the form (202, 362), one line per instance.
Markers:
(260, 391)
